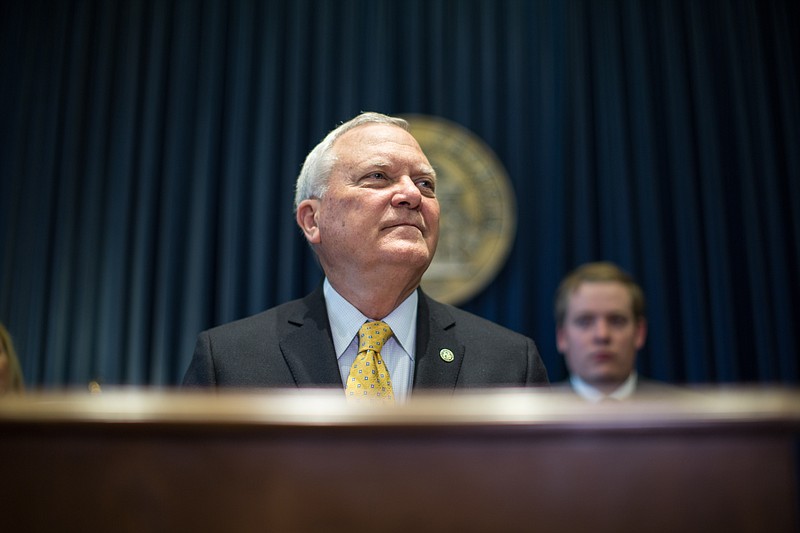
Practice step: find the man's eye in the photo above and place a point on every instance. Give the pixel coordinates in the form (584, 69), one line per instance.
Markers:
(618, 321)
(376, 175)
(583, 321)
(427, 184)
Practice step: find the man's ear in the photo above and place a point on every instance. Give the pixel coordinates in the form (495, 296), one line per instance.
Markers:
(307, 213)
(561, 340)
(641, 333)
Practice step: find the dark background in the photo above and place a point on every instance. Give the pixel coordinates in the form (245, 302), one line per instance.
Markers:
(148, 151)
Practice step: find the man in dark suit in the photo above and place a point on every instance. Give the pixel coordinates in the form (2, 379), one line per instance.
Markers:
(366, 203)
(600, 327)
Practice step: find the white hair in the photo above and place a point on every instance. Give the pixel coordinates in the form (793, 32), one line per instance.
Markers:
(312, 182)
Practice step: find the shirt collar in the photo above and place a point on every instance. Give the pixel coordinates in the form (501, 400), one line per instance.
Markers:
(592, 394)
(346, 320)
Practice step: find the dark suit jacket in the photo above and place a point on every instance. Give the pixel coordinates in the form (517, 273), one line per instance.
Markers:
(291, 346)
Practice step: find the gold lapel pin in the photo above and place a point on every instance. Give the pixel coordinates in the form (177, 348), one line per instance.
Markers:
(446, 355)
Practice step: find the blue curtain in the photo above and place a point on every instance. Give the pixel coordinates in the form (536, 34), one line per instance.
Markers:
(148, 151)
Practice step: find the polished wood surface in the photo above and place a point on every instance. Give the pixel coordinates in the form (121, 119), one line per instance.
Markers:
(133, 460)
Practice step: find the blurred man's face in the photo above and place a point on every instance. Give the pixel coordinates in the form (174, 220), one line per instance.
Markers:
(600, 337)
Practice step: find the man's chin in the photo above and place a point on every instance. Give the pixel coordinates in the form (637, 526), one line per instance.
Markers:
(607, 379)
(415, 250)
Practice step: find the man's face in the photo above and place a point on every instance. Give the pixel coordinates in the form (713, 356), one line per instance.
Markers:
(599, 337)
(380, 207)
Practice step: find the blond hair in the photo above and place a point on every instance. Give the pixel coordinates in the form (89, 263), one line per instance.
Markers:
(15, 384)
(601, 271)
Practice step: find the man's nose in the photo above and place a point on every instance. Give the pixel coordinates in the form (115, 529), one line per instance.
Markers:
(601, 330)
(406, 193)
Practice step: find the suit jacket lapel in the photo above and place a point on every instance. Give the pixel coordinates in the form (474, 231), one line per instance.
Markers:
(436, 333)
(307, 346)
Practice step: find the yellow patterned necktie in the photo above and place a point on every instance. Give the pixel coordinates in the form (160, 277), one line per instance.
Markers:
(369, 378)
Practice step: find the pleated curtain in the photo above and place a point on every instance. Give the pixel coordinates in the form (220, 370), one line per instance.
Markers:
(148, 152)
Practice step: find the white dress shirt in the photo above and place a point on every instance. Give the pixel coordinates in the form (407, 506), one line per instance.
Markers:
(594, 395)
(397, 354)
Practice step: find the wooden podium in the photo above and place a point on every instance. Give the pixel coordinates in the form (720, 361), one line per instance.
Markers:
(298, 461)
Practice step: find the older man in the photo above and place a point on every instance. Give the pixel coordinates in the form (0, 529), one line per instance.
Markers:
(366, 202)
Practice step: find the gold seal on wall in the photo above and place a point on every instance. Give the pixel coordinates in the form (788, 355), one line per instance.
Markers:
(478, 210)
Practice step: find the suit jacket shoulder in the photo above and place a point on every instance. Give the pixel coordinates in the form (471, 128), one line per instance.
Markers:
(457, 349)
(286, 346)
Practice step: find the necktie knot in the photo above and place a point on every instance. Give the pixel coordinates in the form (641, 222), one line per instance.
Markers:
(369, 378)
(373, 336)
